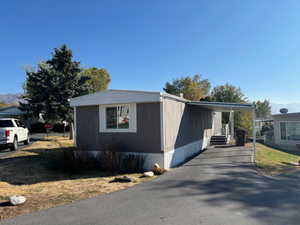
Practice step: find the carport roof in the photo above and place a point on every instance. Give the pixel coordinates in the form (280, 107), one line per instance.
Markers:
(224, 106)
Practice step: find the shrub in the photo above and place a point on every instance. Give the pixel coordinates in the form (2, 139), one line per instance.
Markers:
(37, 128)
(132, 163)
(77, 160)
(59, 128)
(110, 161)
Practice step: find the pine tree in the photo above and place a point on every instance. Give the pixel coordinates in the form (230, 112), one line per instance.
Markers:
(49, 88)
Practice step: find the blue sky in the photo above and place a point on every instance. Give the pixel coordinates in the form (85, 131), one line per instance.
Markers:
(252, 44)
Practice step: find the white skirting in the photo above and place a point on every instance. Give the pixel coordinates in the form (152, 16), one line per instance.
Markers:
(171, 158)
(174, 157)
(179, 155)
(150, 159)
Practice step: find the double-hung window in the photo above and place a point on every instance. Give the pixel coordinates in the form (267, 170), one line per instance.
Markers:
(118, 118)
(290, 130)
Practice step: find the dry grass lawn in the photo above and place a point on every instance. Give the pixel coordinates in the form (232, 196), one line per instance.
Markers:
(32, 173)
(273, 161)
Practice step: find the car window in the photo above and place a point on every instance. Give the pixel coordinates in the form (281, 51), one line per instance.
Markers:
(6, 123)
(18, 123)
(21, 123)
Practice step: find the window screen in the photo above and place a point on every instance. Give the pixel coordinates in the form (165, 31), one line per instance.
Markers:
(293, 131)
(290, 131)
(111, 117)
(117, 117)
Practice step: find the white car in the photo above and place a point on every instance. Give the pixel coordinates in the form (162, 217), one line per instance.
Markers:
(12, 132)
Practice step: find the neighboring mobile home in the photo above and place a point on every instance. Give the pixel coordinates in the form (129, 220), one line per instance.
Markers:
(286, 131)
(11, 112)
(165, 128)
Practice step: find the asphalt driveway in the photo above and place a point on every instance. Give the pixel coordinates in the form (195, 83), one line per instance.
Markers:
(218, 187)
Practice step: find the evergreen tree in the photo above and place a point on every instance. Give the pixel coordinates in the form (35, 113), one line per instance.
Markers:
(49, 88)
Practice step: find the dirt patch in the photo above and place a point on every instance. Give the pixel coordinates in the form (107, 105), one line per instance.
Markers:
(28, 173)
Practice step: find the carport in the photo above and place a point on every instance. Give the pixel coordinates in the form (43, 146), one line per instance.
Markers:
(231, 108)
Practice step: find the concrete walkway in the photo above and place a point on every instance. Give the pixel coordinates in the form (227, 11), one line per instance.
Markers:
(218, 187)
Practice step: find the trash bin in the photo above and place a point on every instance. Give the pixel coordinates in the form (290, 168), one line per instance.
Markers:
(240, 135)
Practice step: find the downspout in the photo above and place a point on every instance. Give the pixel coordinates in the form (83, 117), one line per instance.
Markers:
(254, 134)
(162, 124)
(231, 119)
(74, 127)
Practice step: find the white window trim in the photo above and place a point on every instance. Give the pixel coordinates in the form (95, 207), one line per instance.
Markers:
(286, 130)
(132, 122)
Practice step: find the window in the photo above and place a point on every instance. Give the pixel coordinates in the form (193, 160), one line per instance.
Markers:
(6, 123)
(118, 118)
(290, 131)
(19, 123)
(283, 130)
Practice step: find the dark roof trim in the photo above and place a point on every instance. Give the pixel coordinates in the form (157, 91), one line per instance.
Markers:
(286, 114)
(225, 106)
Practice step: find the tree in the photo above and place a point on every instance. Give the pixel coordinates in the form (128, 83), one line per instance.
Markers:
(246, 122)
(49, 88)
(192, 88)
(230, 93)
(263, 109)
(227, 93)
(99, 79)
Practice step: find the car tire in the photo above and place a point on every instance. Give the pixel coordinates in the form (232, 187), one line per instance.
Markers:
(15, 145)
(27, 142)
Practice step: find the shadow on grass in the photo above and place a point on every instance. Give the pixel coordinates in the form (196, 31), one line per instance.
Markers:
(293, 152)
(296, 165)
(43, 166)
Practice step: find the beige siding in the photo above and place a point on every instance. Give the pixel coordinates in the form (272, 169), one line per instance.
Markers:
(217, 123)
(290, 144)
(184, 124)
(173, 115)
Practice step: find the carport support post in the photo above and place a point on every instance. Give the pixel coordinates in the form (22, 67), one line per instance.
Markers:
(254, 135)
(231, 119)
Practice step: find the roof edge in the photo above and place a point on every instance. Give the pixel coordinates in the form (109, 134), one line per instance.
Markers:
(224, 103)
(174, 97)
(284, 114)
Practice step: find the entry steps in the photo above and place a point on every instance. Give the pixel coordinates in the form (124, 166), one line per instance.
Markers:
(218, 140)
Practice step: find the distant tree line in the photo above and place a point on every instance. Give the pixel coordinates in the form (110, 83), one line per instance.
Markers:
(197, 89)
(50, 86)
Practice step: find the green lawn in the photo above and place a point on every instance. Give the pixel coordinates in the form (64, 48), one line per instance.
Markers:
(273, 161)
